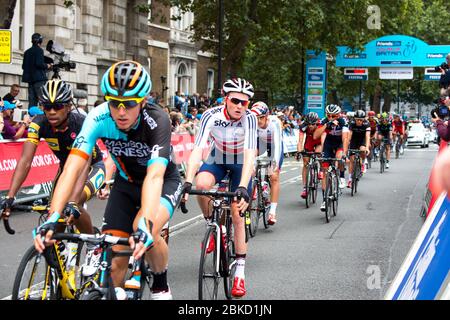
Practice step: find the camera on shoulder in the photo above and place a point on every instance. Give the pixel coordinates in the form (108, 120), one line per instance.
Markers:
(444, 66)
(440, 112)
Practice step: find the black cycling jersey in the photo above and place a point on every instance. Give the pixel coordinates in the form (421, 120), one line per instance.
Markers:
(60, 142)
(133, 151)
(334, 135)
(384, 128)
(359, 132)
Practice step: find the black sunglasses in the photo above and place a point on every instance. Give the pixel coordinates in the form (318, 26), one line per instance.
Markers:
(55, 106)
(239, 101)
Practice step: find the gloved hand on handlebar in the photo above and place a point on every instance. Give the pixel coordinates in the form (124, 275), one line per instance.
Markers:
(142, 239)
(6, 203)
(42, 235)
(242, 197)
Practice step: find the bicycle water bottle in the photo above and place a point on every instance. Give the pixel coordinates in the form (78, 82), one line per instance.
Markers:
(133, 285)
(120, 293)
(265, 189)
(72, 249)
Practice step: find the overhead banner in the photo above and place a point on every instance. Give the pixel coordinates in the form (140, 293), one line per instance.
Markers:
(393, 51)
(316, 78)
(396, 73)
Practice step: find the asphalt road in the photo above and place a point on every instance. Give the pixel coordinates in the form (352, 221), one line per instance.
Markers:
(355, 256)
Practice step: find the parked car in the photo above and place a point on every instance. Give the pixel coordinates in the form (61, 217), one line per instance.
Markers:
(418, 135)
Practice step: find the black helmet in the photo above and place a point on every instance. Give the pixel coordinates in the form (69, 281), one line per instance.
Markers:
(360, 114)
(56, 91)
(37, 38)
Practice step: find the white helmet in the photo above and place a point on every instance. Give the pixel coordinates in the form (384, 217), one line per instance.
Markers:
(238, 85)
(333, 109)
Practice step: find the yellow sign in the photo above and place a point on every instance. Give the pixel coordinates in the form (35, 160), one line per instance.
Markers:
(5, 46)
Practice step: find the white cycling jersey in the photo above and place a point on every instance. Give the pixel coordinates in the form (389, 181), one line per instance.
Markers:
(229, 136)
(271, 138)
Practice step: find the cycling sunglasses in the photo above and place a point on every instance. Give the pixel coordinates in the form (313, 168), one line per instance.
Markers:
(237, 101)
(333, 116)
(55, 106)
(125, 103)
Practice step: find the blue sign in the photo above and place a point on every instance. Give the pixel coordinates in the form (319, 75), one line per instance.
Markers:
(316, 75)
(393, 50)
(355, 77)
(425, 273)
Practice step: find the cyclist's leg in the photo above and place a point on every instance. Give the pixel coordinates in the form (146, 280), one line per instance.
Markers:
(328, 152)
(207, 177)
(120, 213)
(158, 256)
(275, 189)
(304, 171)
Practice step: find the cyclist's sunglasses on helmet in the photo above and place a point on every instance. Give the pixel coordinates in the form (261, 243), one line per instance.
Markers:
(237, 101)
(55, 106)
(128, 103)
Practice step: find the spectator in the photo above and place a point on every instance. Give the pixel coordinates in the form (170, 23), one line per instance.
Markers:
(10, 131)
(81, 108)
(194, 100)
(204, 101)
(34, 111)
(175, 119)
(178, 101)
(13, 93)
(441, 125)
(444, 81)
(34, 69)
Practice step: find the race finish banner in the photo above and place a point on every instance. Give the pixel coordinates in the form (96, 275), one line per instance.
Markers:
(39, 180)
(425, 273)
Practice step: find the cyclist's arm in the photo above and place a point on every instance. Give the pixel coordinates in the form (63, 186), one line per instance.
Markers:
(368, 139)
(79, 157)
(250, 149)
(277, 141)
(194, 163)
(301, 141)
(319, 131)
(345, 139)
(23, 168)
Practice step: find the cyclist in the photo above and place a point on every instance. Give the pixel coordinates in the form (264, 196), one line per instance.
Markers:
(399, 130)
(335, 145)
(359, 137)
(373, 122)
(147, 186)
(270, 140)
(233, 130)
(59, 127)
(307, 143)
(384, 130)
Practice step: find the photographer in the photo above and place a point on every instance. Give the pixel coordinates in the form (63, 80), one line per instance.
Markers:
(444, 69)
(438, 116)
(34, 68)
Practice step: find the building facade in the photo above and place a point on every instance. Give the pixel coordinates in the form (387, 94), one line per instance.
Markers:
(98, 33)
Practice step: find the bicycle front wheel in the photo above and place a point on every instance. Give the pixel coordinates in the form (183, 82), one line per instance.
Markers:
(208, 273)
(265, 205)
(254, 212)
(327, 197)
(35, 279)
(335, 197)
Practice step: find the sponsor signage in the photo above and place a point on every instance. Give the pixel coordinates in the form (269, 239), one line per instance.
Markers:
(5, 46)
(396, 73)
(393, 50)
(316, 75)
(431, 75)
(356, 74)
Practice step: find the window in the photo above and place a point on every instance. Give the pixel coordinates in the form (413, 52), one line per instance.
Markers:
(105, 29)
(21, 23)
(210, 83)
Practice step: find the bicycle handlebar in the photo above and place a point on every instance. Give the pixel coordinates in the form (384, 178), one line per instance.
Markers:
(214, 194)
(91, 238)
(6, 224)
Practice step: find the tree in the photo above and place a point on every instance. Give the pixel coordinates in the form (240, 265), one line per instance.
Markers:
(6, 16)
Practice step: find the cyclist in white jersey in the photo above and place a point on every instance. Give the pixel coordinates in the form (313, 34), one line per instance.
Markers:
(232, 128)
(270, 140)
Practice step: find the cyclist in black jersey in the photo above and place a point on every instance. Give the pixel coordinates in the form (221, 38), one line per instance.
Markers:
(59, 127)
(148, 186)
(359, 137)
(384, 130)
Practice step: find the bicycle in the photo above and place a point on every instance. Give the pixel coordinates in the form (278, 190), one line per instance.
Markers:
(218, 262)
(332, 191)
(397, 145)
(357, 172)
(312, 177)
(58, 275)
(260, 198)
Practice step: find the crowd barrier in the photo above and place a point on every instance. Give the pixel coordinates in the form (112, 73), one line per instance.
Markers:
(425, 272)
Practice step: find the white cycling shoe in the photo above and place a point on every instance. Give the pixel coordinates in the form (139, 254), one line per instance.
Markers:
(162, 295)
